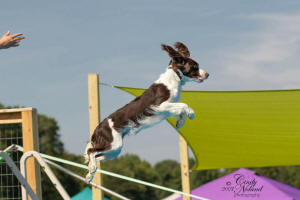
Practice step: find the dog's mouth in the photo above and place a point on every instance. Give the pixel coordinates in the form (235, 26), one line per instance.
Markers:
(200, 79)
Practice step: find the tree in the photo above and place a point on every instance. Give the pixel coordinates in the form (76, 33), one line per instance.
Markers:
(170, 176)
(289, 175)
(49, 137)
(50, 143)
(198, 178)
(132, 166)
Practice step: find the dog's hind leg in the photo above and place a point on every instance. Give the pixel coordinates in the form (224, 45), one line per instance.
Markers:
(93, 165)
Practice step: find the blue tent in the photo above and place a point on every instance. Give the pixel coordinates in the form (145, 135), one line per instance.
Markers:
(85, 194)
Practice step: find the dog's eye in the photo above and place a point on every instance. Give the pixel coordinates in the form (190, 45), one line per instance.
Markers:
(177, 59)
(195, 67)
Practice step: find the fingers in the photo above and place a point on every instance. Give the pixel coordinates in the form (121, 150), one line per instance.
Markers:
(15, 42)
(15, 45)
(16, 35)
(19, 38)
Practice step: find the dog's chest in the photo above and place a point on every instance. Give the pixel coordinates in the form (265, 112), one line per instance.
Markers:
(174, 94)
(171, 80)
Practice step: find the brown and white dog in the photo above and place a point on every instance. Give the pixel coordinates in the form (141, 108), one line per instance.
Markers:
(156, 104)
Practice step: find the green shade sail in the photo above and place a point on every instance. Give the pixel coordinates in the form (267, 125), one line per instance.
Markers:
(234, 129)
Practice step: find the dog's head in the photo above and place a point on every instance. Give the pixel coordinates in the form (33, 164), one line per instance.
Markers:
(182, 63)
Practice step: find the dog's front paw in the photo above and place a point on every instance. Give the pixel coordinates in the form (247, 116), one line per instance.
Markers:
(190, 113)
(180, 122)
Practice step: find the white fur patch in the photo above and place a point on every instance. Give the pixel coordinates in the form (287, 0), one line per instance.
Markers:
(202, 73)
(117, 143)
(86, 157)
(171, 80)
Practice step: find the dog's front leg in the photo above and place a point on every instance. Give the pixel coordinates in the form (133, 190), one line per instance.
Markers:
(176, 109)
(180, 110)
(181, 120)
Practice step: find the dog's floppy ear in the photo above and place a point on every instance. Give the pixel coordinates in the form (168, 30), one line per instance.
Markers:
(172, 52)
(182, 49)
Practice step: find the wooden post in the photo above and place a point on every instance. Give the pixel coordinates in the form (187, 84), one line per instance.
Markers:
(184, 163)
(31, 142)
(94, 113)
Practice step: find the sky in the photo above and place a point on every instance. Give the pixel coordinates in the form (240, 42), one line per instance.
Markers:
(244, 45)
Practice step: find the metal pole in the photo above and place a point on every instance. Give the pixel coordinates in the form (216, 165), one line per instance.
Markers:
(83, 179)
(19, 148)
(47, 170)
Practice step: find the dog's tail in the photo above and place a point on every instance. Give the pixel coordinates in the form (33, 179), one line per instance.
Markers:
(86, 152)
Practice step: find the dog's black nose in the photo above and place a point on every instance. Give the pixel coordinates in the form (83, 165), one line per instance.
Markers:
(206, 75)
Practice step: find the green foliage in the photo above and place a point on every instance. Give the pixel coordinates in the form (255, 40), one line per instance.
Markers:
(198, 178)
(169, 171)
(132, 166)
(289, 175)
(72, 185)
(50, 142)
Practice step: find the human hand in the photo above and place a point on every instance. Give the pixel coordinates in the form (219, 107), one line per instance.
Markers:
(8, 40)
